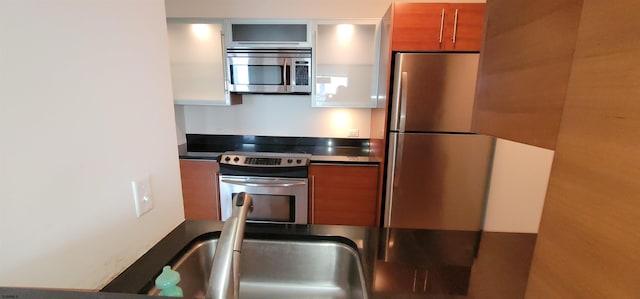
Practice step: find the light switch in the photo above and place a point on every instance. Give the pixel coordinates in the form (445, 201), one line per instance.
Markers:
(142, 196)
(354, 133)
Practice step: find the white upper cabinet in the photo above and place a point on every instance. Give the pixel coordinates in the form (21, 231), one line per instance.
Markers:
(268, 33)
(346, 63)
(197, 56)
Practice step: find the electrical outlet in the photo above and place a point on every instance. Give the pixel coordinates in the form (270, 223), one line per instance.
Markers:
(354, 133)
(142, 196)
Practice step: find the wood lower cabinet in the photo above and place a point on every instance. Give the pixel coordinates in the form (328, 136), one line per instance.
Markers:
(437, 26)
(343, 194)
(200, 189)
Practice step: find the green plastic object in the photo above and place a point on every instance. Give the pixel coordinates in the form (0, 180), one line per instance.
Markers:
(167, 283)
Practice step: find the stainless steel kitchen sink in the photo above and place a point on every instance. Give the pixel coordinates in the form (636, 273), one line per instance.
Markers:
(309, 268)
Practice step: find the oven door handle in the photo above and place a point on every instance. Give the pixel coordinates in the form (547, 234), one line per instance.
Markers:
(262, 184)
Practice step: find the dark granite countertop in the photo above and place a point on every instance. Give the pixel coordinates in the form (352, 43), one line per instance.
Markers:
(398, 263)
(322, 150)
(29, 293)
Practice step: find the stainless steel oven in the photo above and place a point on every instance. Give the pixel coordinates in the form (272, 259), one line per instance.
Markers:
(277, 182)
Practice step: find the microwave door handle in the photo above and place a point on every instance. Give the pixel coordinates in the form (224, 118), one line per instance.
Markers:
(261, 184)
(284, 74)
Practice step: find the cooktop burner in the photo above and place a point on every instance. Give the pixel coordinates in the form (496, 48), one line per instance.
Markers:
(264, 159)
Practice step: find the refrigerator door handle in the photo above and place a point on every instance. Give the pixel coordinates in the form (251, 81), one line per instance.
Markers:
(398, 160)
(403, 101)
(396, 144)
(391, 166)
(396, 95)
(399, 98)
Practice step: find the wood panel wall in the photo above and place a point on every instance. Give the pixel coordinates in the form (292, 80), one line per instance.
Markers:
(589, 240)
(524, 69)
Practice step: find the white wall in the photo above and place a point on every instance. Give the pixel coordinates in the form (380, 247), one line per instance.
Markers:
(85, 108)
(518, 187)
(265, 115)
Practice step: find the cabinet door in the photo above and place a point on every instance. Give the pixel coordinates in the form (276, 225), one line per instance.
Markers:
(524, 70)
(463, 27)
(343, 194)
(268, 33)
(198, 64)
(200, 189)
(346, 60)
(418, 26)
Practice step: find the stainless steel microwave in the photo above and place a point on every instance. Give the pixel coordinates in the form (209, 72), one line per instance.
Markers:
(265, 71)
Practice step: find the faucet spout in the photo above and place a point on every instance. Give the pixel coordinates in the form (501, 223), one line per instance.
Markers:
(224, 281)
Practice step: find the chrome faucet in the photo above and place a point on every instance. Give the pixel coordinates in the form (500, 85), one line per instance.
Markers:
(224, 281)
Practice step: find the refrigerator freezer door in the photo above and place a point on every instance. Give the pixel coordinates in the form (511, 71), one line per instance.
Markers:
(433, 92)
(439, 181)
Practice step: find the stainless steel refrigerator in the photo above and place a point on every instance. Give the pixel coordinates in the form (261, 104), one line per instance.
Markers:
(437, 170)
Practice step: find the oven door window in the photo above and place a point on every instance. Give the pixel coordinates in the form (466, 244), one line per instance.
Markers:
(275, 200)
(272, 208)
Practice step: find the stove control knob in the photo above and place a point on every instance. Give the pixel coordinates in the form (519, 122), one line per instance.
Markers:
(290, 161)
(227, 159)
(299, 161)
(236, 159)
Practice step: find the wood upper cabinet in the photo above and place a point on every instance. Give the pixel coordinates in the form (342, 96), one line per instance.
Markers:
(437, 26)
(200, 189)
(524, 69)
(343, 194)
(416, 26)
(463, 25)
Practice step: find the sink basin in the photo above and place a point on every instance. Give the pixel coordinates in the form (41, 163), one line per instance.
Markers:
(271, 268)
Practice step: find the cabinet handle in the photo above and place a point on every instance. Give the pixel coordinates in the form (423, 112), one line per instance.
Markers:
(455, 27)
(415, 278)
(313, 199)
(424, 286)
(441, 25)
